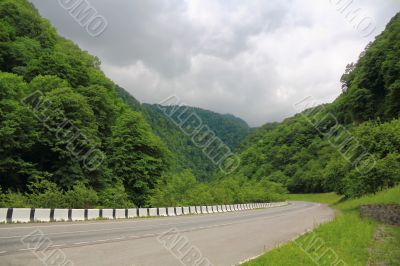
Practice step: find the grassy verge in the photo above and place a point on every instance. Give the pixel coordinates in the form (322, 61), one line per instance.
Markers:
(348, 238)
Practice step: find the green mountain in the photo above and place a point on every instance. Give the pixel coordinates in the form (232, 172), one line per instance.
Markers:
(62, 126)
(71, 138)
(230, 129)
(351, 146)
(186, 155)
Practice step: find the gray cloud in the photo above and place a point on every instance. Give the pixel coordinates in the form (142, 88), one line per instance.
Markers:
(253, 59)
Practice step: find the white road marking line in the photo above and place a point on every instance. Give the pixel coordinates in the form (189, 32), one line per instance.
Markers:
(118, 238)
(2, 252)
(57, 246)
(25, 249)
(81, 243)
(149, 235)
(100, 240)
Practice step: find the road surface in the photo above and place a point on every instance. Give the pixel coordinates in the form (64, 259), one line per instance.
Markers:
(212, 239)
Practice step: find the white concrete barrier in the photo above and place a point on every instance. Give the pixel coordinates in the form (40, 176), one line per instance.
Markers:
(45, 215)
(22, 215)
(132, 213)
(42, 215)
(178, 210)
(93, 214)
(153, 212)
(120, 214)
(60, 215)
(215, 209)
(171, 211)
(143, 212)
(107, 213)
(3, 215)
(162, 211)
(192, 209)
(78, 215)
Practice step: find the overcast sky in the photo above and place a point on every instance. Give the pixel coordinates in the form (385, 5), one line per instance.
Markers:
(253, 58)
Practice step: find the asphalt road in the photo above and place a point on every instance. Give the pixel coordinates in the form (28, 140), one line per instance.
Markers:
(212, 239)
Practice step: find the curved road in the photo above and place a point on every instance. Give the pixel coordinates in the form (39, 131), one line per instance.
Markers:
(213, 239)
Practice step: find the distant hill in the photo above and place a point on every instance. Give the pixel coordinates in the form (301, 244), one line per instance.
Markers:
(351, 146)
(230, 129)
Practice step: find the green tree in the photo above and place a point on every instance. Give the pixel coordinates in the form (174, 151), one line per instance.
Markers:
(135, 155)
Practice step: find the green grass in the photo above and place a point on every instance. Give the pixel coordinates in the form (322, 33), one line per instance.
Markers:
(349, 236)
(382, 249)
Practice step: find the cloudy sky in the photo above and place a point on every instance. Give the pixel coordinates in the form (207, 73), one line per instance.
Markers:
(253, 58)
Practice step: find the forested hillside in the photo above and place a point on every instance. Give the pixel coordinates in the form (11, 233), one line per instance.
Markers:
(69, 137)
(230, 129)
(351, 146)
(62, 127)
(186, 155)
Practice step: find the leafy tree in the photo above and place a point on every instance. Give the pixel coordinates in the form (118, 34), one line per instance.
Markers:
(46, 84)
(45, 194)
(136, 156)
(81, 197)
(115, 197)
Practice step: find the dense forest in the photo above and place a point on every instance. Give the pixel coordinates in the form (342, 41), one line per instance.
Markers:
(351, 146)
(186, 155)
(70, 137)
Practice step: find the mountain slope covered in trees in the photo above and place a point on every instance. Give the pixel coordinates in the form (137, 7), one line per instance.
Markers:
(186, 155)
(61, 123)
(71, 138)
(351, 146)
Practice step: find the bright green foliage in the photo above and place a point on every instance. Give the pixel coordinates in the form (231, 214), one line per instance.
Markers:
(115, 197)
(13, 199)
(45, 194)
(230, 129)
(372, 84)
(186, 155)
(46, 84)
(183, 190)
(81, 196)
(351, 146)
(56, 109)
(136, 155)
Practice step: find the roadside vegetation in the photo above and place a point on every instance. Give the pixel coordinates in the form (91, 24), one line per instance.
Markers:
(71, 138)
(356, 241)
